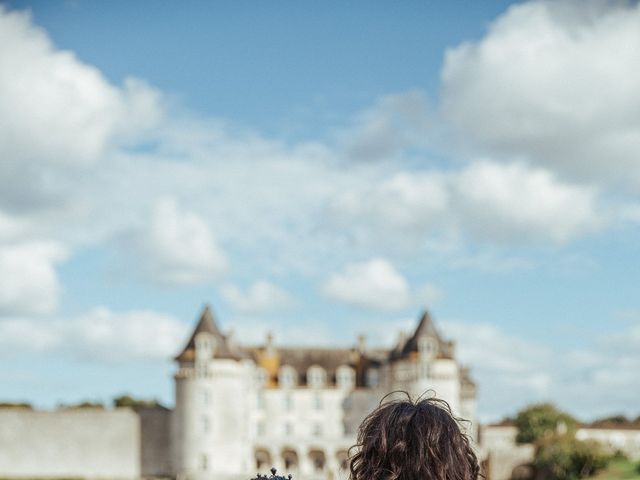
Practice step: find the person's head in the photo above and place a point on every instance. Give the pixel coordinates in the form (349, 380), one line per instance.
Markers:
(407, 440)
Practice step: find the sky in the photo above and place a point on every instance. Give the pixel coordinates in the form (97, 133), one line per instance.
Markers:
(321, 170)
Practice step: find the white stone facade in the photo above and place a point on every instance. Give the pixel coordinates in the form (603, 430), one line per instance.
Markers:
(241, 410)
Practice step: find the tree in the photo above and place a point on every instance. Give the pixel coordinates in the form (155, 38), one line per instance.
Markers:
(131, 402)
(613, 419)
(81, 405)
(19, 405)
(542, 420)
(563, 457)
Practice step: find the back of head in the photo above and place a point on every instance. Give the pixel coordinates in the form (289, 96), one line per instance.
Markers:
(406, 440)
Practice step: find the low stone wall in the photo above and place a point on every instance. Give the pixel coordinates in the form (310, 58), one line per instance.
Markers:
(83, 443)
(625, 440)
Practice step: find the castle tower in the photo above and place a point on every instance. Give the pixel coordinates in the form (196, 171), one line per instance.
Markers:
(211, 430)
(426, 362)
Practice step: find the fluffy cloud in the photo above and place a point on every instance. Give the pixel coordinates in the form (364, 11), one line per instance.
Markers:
(178, 246)
(29, 281)
(99, 335)
(554, 82)
(513, 202)
(57, 109)
(487, 201)
(374, 284)
(259, 297)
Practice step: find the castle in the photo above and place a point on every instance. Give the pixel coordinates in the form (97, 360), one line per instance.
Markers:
(239, 409)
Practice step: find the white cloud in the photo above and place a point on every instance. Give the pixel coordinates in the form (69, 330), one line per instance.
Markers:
(259, 297)
(554, 82)
(374, 284)
(179, 247)
(99, 335)
(56, 109)
(514, 202)
(485, 201)
(29, 281)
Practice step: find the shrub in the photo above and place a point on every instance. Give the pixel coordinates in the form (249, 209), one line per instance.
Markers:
(541, 421)
(563, 457)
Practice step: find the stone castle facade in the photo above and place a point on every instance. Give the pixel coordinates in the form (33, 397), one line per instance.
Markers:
(242, 409)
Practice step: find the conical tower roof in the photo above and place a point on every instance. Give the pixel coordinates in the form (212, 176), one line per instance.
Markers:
(208, 324)
(425, 328)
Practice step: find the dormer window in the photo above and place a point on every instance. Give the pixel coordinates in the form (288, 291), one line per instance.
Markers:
(316, 377)
(345, 377)
(287, 377)
(205, 345)
(261, 377)
(427, 347)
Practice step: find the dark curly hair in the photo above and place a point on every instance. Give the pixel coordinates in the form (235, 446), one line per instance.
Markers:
(412, 440)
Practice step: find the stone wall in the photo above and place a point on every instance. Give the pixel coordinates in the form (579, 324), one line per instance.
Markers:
(155, 447)
(87, 443)
(625, 440)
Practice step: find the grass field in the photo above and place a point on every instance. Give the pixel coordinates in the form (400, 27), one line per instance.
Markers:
(620, 470)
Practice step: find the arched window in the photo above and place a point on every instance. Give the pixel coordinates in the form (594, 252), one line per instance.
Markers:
(318, 460)
(343, 459)
(290, 459)
(316, 377)
(345, 377)
(263, 459)
(287, 377)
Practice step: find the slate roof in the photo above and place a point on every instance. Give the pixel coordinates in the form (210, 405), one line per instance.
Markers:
(224, 349)
(425, 328)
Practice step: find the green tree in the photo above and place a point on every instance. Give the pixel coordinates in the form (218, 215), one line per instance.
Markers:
(81, 405)
(131, 402)
(542, 420)
(563, 457)
(613, 419)
(19, 405)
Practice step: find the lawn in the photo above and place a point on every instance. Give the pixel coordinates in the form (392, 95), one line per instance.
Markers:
(620, 470)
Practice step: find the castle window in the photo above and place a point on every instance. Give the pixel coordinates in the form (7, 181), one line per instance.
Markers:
(317, 459)
(317, 401)
(260, 400)
(203, 462)
(372, 378)
(287, 377)
(316, 377)
(427, 346)
(262, 377)
(288, 402)
(288, 429)
(317, 430)
(260, 429)
(206, 425)
(206, 398)
(345, 377)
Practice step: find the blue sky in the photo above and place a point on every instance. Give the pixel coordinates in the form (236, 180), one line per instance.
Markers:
(321, 170)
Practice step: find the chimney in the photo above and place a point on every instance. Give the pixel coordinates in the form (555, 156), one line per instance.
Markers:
(362, 343)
